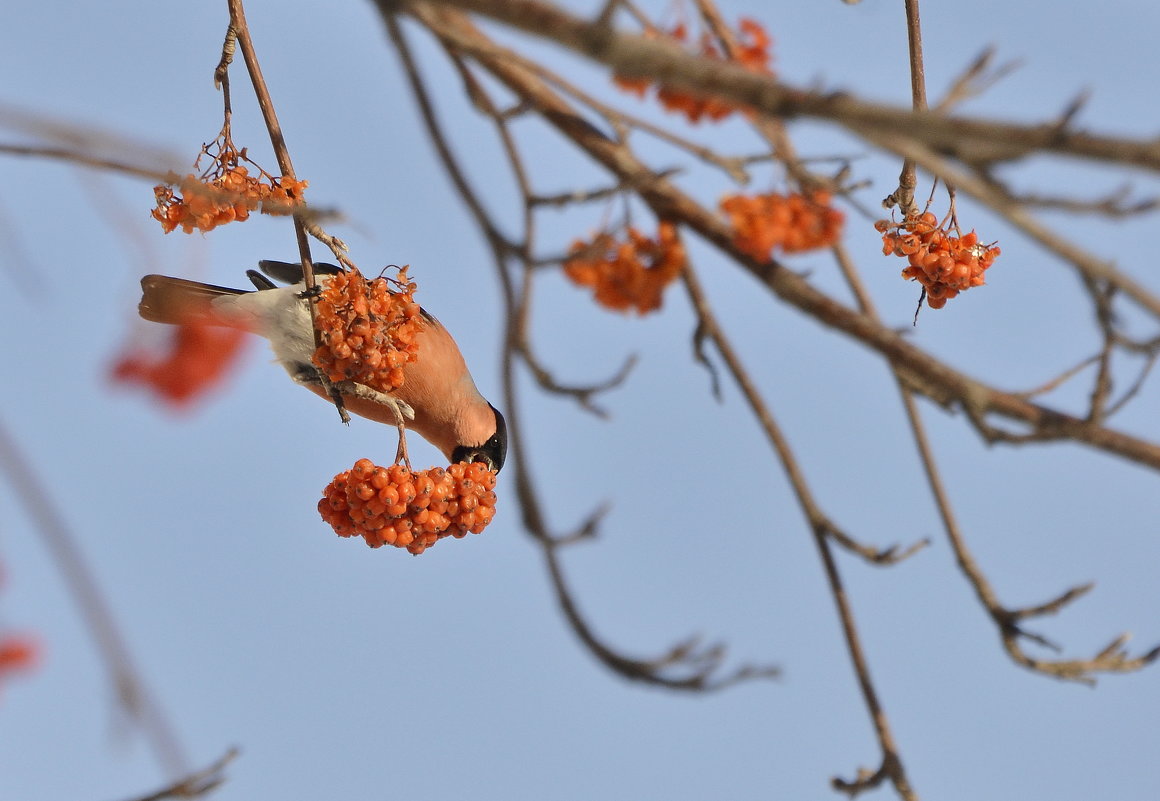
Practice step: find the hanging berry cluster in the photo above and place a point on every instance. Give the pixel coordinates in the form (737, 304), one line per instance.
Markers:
(791, 223)
(409, 509)
(223, 192)
(943, 263)
(751, 52)
(630, 273)
(367, 329)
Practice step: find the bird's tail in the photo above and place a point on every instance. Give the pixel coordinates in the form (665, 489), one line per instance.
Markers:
(176, 300)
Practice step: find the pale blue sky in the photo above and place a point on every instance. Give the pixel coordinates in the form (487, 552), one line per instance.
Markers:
(345, 672)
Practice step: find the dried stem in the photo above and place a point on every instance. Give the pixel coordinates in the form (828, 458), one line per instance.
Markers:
(903, 197)
(965, 138)
(76, 156)
(195, 785)
(923, 372)
(241, 33)
(823, 532)
(129, 687)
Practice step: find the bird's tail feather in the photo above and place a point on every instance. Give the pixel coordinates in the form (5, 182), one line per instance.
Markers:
(177, 300)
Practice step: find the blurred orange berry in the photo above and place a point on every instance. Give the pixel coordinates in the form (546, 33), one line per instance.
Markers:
(18, 652)
(751, 50)
(198, 357)
(792, 223)
(628, 274)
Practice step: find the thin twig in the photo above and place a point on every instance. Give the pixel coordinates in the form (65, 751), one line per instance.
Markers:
(195, 785)
(129, 686)
(968, 139)
(685, 666)
(903, 196)
(241, 32)
(923, 372)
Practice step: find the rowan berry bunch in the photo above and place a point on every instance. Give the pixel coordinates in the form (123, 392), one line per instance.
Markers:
(630, 273)
(223, 192)
(409, 509)
(367, 329)
(945, 264)
(791, 223)
(751, 51)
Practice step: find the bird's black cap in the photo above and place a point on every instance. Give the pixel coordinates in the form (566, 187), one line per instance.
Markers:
(492, 453)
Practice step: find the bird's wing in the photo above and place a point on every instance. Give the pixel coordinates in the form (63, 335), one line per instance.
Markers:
(289, 272)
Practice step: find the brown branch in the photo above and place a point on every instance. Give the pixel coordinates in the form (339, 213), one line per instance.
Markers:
(1116, 204)
(975, 79)
(823, 530)
(129, 687)
(75, 156)
(195, 785)
(903, 197)
(683, 667)
(241, 34)
(1112, 659)
(815, 517)
(969, 139)
(921, 371)
(1059, 380)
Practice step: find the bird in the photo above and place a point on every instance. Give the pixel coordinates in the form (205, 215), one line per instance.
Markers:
(439, 398)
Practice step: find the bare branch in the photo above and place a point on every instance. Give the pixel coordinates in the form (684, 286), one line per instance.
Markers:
(130, 690)
(195, 785)
(968, 139)
(683, 667)
(922, 372)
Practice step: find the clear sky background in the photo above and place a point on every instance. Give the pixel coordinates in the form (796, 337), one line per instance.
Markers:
(343, 672)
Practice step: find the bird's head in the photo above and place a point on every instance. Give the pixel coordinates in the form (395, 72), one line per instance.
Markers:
(493, 452)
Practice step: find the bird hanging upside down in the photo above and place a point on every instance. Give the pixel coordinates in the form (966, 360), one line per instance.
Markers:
(438, 397)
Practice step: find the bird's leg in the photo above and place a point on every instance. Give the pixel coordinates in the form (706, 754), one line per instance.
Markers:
(308, 374)
(402, 410)
(401, 451)
(336, 397)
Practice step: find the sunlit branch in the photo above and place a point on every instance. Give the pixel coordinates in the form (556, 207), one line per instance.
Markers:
(923, 372)
(966, 138)
(686, 666)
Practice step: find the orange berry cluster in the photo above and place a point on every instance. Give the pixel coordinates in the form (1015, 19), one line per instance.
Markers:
(409, 509)
(367, 329)
(18, 652)
(943, 263)
(752, 52)
(631, 273)
(790, 223)
(197, 358)
(224, 193)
